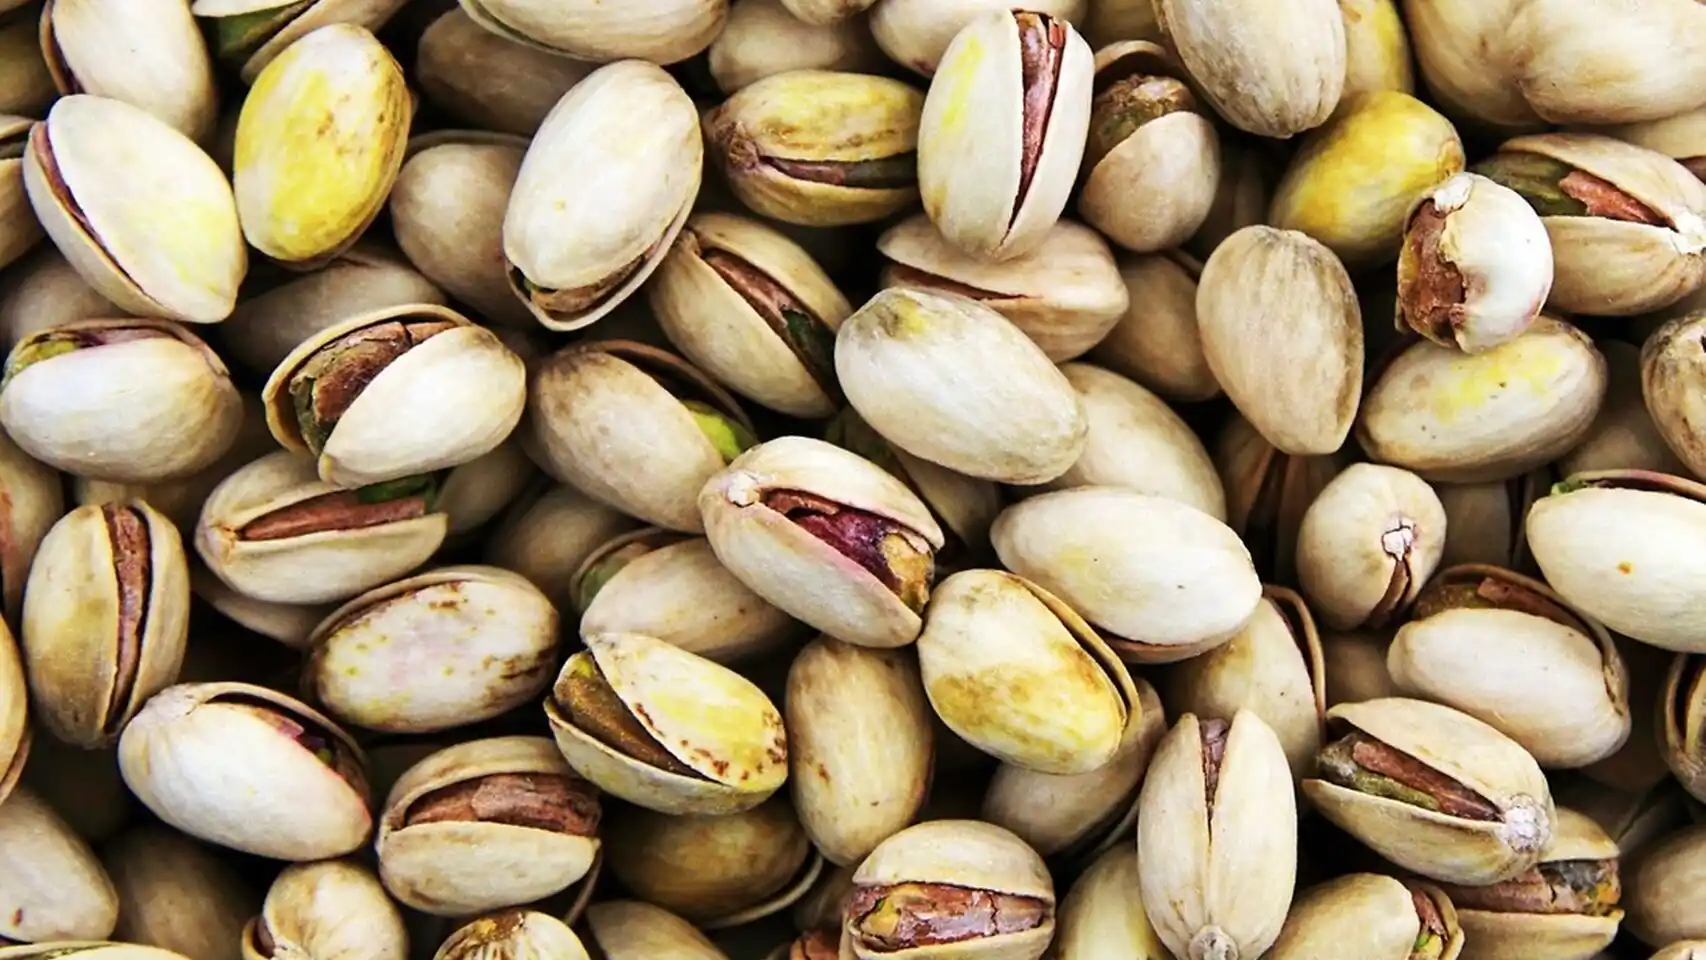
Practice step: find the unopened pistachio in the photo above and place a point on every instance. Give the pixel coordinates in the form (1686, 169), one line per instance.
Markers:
(1269, 70)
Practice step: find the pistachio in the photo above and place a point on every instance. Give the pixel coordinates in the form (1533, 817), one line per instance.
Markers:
(329, 909)
(1682, 722)
(1465, 51)
(43, 290)
(1267, 494)
(1626, 434)
(1365, 916)
(515, 934)
(15, 734)
(27, 87)
(249, 34)
(764, 38)
(1484, 521)
(549, 535)
(1100, 915)
(488, 80)
(1656, 895)
(662, 31)
(176, 893)
(52, 887)
(1556, 44)
(915, 33)
(1268, 70)
(166, 71)
(635, 930)
(20, 231)
(1367, 545)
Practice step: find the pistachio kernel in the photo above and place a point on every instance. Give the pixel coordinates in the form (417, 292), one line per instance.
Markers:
(57, 343)
(902, 916)
(1124, 104)
(1557, 189)
(539, 801)
(392, 501)
(897, 556)
(818, 943)
(1431, 938)
(1042, 49)
(237, 37)
(1431, 290)
(326, 746)
(594, 707)
(1482, 592)
(1588, 888)
(605, 568)
(726, 434)
(810, 339)
(133, 569)
(1359, 762)
(579, 299)
(328, 382)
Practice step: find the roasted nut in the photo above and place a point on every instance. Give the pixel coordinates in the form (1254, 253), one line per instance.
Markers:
(1558, 46)
(1270, 70)
(1657, 895)
(329, 910)
(1368, 544)
(513, 935)
(662, 31)
(1366, 916)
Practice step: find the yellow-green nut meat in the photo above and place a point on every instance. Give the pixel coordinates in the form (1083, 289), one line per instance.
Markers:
(250, 34)
(319, 142)
(142, 214)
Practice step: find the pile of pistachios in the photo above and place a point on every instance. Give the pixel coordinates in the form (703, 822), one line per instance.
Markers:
(853, 480)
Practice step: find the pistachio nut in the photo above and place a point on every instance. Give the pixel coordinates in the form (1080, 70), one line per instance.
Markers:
(1016, 673)
(35, 498)
(1066, 294)
(662, 31)
(164, 67)
(1615, 545)
(105, 619)
(1270, 70)
(635, 930)
(52, 887)
(176, 893)
(1625, 222)
(1566, 906)
(275, 532)
(1433, 790)
(82, 786)
(677, 428)
(333, 100)
(327, 910)
(1659, 894)
(249, 34)
(1101, 917)
(1163, 581)
(1464, 51)
(751, 308)
(488, 80)
(951, 888)
(26, 86)
(1274, 668)
(1626, 435)
(20, 231)
(1377, 51)
(1282, 332)
(671, 586)
(1217, 837)
(1368, 544)
(1638, 766)
(487, 823)
(820, 12)
(1366, 916)
(1152, 163)
(1268, 493)
(1682, 722)
(548, 537)
(103, 208)
(827, 537)
(1558, 46)
(42, 290)
(149, 400)
(715, 870)
(1003, 131)
(915, 33)
(516, 934)
(1668, 374)
(1509, 651)
(666, 729)
(1680, 950)
(1681, 137)
(763, 38)
(901, 360)
(1496, 415)
(249, 769)
(615, 166)
(860, 745)
(1248, 173)
(1356, 667)
(1475, 266)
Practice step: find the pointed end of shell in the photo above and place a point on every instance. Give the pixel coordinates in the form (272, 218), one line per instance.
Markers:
(1528, 827)
(1213, 943)
(742, 489)
(1689, 235)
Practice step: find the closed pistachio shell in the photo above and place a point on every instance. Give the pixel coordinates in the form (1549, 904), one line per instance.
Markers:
(1552, 54)
(52, 887)
(250, 34)
(763, 38)
(516, 934)
(1660, 909)
(902, 360)
(1156, 342)
(89, 165)
(1669, 377)
(662, 31)
(1377, 50)
(1163, 580)
(635, 930)
(335, 100)
(1464, 50)
(1100, 918)
(177, 894)
(1368, 544)
(489, 80)
(330, 910)
(1367, 916)
(1260, 85)
(164, 67)
(915, 33)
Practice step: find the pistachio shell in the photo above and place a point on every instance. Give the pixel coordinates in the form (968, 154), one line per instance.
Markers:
(1156, 188)
(15, 735)
(1356, 667)
(762, 38)
(87, 950)
(26, 84)
(1100, 918)
(176, 893)
(103, 177)
(164, 67)
(297, 23)
(489, 80)
(1464, 50)
(1362, 916)
(1552, 54)
(1367, 545)
(1484, 520)
(516, 934)
(1269, 70)
(331, 910)
(1625, 435)
(82, 786)
(1157, 343)
(1682, 711)
(1247, 178)
(51, 885)
(1377, 50)
(915, 33)
(549, 538)
(662, 31)
(20, 231)
(42, 291)
(635, 930)
(1639, 766)
(1660, 909)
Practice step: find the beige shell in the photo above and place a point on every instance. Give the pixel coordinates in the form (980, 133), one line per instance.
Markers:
(1626, 435)
(1499, 935)
(517, 934)
(1377, 50)
(477, 492)
(1101, 917)
(622, 213)
(1552, 58)
(287, 623)
(549, 536)
(27, 87)
(42, 290)
(1269, 69)
(1157, 342)
(915, 33)
(762, 38)
(1066, 294)
(662, 31)
(1165, 580)
(36, 499)
(1656, 897)
(1484, 520)
(1681, 716)
(1640, 764)
(635, 930)
(52, 887)
(87, 950)
(1362, 916)
(20, 231)
(1216, 877)
(794, 570)
(971, 139)
(1247, 178)
(164, 67)
(1669, 375)
(15, 733)
(709, 717)
(103, 176)
(488, 80)
(1282, 332)
(1464, 50)
(327, 910)
(176, 893)
(370, 14)
(1367, 545)
(903, 360)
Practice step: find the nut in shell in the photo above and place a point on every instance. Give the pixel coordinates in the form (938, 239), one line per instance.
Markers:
(165, 68)
(1682, 722)
(52, 886)
(15, 733)
(1368, 544)
(636, 930)
(1659, 909)
(1367, 916)
(1101, 913)
(515, 934)
(1670, 380)
(249, 34)
(662, 31)
(335, 909)
(1271, 70)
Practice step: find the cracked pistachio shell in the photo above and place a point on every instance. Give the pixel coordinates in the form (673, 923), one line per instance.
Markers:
(1465, 751)
(762, 39)
(328, 910)
(442, 649)
(1101, 918)
(1065, 295)
(751, 308)
(142, 213)
(243, 767)
(860, 745)
(717, 871)
(319, 142)
(133, 401)
(1464, 50)
(177, 893)
(1016, 673)
(252, 33)
(1154, 188)
(601, 418)
(488, 80)
(1137, 441)
(962, 853)
(789, 144)
(20, 231)
(635, 930)
(1509, 651)
(1274, 668)
(516, 934)
(1600, 62)
(1155, 342)
(1454, 418)
(443, 402)
(991, 182)
(672, 587)
(105, 619)
(1216, 871)
(615, 168)
(1368, 544)
(1682, 722)
(709, 718)
(1163, 580)
(1282, 332)
(902, 360)
(1620, 547)
(1626, 435)
(1273, 70)
(915, 33)
(477, 861)
(549, 536)
(148, 53)
(1077, 817)
(1364, 916)
(1670, 375)
(52, 886)
(793, 569)
(1661, 898)
(662, 31)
